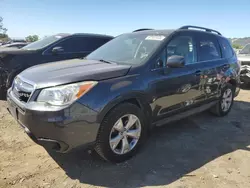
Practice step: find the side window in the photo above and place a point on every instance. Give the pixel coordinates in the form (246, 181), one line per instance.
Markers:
(81, 44)
(208, 49)
(75, 44)
(226, 48)
(94, 43)
(182, 46)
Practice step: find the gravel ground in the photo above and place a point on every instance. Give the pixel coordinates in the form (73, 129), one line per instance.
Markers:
(201, 151)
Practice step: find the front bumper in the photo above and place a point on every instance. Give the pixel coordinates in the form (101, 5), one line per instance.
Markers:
(59, 130)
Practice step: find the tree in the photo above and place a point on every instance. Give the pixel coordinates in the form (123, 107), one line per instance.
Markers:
(32, 38)
(3, 30)
(237, 46)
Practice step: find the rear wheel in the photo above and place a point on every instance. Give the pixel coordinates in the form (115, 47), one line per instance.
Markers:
(225, 102)
(121, 133)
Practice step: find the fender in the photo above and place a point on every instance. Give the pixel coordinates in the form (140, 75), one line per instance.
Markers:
(138, 98)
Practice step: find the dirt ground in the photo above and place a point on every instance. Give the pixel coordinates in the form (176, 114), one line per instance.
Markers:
(201, 151)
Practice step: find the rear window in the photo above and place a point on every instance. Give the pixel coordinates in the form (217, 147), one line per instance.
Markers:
(226, 48)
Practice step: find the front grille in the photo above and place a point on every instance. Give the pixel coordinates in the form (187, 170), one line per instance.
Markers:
(245, 62)
(22, 90)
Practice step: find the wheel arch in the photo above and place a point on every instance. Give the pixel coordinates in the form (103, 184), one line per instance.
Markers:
(138, 99)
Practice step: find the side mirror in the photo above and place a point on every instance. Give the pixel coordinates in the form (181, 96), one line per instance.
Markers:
(57, 50)
(175, 61)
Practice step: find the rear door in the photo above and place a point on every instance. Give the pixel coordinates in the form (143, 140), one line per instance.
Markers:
(230, 67)
(209, 60)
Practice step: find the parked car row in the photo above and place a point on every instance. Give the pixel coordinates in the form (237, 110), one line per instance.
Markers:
(14, 40)
(111, 98)
(14, 45)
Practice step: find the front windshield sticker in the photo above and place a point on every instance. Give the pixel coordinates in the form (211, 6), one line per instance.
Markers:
(58, 36)
(155, 37)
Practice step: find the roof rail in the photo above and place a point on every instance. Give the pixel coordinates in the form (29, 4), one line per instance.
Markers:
(203, 28)
(143, 29)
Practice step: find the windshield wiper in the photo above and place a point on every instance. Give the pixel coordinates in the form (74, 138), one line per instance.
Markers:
(105, 61)
(82, 57)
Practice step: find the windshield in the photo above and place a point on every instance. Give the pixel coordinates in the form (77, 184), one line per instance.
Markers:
(42, 43)
(132, 48)
(246, 49)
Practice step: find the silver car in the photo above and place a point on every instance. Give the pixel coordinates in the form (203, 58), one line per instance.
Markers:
(244, 58)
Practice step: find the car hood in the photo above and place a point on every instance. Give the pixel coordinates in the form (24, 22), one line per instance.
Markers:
(7, 50)
(70, 71)
(243, 57)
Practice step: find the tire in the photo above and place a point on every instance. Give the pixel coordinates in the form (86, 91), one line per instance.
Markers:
(106, 131)
(218, 108)
(3, 92)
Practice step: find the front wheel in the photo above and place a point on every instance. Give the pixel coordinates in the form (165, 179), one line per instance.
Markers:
(225, 102)
(121, 133)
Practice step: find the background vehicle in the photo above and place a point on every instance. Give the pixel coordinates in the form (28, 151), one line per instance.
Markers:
(14, 45)
(244, 59)
(53, 48)
(14, 40)
(119, 92)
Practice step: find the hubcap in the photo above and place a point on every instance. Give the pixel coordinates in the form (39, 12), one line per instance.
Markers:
(226, 100)
(125, 134)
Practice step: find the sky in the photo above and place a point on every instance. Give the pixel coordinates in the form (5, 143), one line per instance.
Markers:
(113, 17)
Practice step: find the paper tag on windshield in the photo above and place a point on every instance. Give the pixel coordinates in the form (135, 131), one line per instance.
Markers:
(155, 37)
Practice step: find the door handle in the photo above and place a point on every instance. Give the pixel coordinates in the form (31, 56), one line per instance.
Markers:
(197, 73)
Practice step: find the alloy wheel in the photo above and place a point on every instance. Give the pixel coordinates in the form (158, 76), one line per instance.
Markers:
(226, 100)
(125, 134)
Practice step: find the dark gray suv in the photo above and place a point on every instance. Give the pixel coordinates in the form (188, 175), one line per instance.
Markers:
(118, 93)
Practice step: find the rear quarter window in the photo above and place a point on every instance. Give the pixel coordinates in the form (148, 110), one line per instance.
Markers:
(226, 48)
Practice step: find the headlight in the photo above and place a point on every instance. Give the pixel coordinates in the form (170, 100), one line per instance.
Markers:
(66, 94)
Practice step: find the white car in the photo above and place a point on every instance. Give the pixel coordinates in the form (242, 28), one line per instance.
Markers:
(244, 59)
